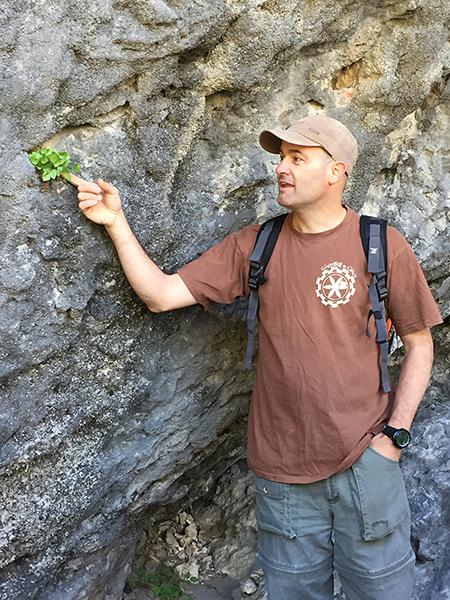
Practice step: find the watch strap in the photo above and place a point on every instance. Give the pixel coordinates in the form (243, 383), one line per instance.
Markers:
(388, 430)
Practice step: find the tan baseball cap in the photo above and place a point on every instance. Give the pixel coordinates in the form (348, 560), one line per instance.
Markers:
(315, 130)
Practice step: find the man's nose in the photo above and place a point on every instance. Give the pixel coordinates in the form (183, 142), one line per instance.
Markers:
(281, 167)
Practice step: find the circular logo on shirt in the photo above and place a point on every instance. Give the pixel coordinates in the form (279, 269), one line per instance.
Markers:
(336, 284)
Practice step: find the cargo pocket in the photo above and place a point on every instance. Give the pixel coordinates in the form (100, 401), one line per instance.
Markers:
(382, 494)
(272, 507)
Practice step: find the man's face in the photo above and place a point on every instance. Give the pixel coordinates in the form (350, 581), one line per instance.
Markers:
(303, 175)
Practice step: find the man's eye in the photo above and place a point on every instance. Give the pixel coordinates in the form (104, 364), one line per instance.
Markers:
(296, 159)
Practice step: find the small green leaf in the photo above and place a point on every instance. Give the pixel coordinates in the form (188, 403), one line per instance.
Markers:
(51, 163)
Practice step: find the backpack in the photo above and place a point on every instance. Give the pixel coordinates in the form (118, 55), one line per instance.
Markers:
(374, 241)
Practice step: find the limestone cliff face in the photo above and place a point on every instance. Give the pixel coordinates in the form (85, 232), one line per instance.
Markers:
(107, 410)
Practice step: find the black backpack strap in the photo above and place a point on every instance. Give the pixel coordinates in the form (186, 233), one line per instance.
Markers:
(374, 239)
(265, 242)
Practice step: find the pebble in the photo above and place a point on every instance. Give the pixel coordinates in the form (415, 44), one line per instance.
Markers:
(248, 586)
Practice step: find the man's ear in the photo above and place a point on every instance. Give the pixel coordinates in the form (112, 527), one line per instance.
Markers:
(338, 170)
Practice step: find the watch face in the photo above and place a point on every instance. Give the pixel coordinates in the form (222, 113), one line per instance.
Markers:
(402, 438)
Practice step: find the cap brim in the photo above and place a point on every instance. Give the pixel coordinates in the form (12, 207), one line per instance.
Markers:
(271, 139)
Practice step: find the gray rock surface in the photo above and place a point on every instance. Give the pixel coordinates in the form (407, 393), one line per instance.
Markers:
(112, 416)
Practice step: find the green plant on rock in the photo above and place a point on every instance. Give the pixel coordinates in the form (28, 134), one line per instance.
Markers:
(163, 582)
(51, 163)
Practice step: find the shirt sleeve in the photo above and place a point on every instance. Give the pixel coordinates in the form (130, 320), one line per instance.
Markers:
(221, 273)
(410, 303)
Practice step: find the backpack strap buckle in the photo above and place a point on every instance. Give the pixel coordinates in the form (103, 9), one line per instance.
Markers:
(380, 283)
(256, 275)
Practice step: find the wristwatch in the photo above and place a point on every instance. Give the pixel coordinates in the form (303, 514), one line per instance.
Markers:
(400, 437)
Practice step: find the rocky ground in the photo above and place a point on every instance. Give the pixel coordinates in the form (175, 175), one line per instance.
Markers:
(216, 588)
(213, 544)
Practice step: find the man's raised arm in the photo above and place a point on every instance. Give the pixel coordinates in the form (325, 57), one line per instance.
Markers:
(101, 203)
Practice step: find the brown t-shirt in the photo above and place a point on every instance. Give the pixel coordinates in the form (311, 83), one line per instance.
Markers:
(317, 400)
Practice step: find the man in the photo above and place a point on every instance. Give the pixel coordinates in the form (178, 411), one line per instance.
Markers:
(329, 487)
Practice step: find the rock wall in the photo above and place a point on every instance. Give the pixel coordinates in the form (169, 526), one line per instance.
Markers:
(108, 411)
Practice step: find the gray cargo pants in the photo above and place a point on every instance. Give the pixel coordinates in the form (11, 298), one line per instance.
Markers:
(357, 520)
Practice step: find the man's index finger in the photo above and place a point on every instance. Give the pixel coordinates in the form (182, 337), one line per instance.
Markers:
(83, 185)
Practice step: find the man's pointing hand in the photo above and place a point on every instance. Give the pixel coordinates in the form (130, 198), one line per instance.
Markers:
(100, 201)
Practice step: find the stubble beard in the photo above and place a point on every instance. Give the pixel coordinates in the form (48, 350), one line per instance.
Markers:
(292, 201)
